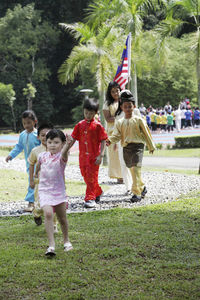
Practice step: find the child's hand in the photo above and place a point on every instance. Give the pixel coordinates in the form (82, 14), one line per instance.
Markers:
(8, 158)
(108, 142)
(151, 152)
(32, 184)
(69, 138)
(98, 160)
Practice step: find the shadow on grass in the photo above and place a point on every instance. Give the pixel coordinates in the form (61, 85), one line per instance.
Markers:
(144, 253)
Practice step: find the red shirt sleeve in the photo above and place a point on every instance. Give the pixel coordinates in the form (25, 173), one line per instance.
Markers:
(76, 132)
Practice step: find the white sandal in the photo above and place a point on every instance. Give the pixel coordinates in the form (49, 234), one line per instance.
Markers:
(50, 251)
(68, 246)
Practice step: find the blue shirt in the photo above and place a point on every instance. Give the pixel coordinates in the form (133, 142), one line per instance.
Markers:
(27, 141)
(196, 114)
(188, 115)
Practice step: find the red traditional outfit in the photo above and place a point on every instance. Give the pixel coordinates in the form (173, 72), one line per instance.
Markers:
(89, 134)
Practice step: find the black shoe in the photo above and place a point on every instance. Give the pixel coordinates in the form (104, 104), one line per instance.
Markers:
(144, 192)
(38, 221)
(135, 198)
(97, 200)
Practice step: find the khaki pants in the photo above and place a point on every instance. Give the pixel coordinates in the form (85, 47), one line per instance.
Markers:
(133, 155)
(137, 183)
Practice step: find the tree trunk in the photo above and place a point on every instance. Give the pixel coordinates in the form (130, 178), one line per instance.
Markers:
(14, 119)
(30, 103)
(198, 72)
(134, 86)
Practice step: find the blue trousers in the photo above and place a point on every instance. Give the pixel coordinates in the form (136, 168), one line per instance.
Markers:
(30, 194)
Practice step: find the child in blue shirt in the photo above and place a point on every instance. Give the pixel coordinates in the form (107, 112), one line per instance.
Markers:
(27, 141)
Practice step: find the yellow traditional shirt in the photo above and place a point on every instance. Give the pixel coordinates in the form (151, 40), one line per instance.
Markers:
(133, 130)
(33, 157)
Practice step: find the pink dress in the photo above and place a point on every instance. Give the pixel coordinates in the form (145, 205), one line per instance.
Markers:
(52, 181)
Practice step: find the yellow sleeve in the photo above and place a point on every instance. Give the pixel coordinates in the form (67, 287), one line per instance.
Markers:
(147, 135)
(32, 158)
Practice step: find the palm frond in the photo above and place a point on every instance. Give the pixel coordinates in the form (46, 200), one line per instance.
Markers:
(79, 31)
(73, 63)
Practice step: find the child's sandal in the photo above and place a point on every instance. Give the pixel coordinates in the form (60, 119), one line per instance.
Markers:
(50, 252)
(68, 246)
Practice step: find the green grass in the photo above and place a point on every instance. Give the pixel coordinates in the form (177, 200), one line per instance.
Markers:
(144, 253)
(190, 152)
(16, 184)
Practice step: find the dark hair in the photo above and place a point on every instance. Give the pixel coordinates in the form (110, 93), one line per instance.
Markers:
(54, 133)
(44, 126)
(91, 105)
(29, 114)
(109, 98)
(126, 96)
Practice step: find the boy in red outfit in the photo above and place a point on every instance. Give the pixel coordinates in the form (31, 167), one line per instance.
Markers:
(91, 136)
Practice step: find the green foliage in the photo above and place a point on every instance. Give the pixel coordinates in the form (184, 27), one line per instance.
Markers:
(187, 141)
(7, 94)
(173, 81)
(25, 53)
(159, 146)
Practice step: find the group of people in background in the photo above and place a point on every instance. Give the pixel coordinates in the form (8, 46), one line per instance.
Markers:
(167, 118)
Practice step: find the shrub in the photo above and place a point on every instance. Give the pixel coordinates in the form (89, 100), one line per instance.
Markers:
(168, 147)
(187, 141)
(159, 146)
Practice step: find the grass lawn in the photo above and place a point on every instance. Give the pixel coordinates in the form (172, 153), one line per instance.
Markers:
(144, 253)
(190, 152)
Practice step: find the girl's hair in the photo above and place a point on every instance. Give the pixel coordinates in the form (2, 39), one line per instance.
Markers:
(109, 98)
(29, 114)
(54, 133)
(91, 105)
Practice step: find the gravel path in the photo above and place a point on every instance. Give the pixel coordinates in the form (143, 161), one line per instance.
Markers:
(162, 187)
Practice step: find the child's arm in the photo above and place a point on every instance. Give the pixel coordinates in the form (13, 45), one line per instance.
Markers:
(37, 169)
(16, 150)
(31, 173)
(69, 143)
(101, 155)
(70, 140)
(147, 135)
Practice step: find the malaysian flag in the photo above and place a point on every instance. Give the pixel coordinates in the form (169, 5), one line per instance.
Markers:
(123, 71)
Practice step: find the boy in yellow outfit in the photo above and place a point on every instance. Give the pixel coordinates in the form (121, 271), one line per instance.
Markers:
(134, 134)
(33, 158)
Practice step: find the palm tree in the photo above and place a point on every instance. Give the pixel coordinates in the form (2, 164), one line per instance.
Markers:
(126, 14)
(180, 13)
(95, 49)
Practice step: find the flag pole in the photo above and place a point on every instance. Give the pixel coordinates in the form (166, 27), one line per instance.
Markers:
(129, 61)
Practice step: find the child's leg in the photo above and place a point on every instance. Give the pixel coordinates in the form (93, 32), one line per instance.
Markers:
(37, 211)
(48, 221)
(90, 175)
(138, 184)
(62, 218)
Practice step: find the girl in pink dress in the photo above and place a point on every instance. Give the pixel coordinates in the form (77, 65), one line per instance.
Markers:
(51, 191)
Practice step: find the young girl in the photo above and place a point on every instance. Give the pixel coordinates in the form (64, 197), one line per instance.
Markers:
(27, 141)
(51, 189)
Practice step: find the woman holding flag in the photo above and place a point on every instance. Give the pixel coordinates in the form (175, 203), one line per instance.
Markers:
(109, 109)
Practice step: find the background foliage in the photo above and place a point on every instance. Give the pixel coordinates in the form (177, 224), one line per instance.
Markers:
(33, 46)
